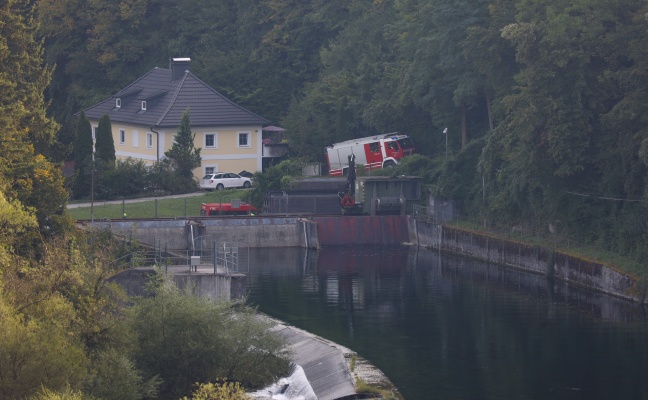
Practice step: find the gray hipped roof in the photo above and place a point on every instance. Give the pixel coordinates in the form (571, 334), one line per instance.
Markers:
(166, 101)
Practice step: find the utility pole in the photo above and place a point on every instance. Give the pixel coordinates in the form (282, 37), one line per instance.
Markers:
(94, 141)
(446, 137)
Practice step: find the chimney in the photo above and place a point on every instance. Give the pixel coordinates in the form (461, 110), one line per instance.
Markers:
(178, 67)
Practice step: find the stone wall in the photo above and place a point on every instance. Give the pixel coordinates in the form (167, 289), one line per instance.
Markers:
(540, 260)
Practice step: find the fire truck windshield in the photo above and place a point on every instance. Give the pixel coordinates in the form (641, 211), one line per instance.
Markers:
(406, 143)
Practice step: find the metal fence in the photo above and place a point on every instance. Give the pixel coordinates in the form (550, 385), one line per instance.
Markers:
(207, 254)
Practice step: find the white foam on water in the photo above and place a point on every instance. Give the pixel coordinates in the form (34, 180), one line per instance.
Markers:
(294, 387)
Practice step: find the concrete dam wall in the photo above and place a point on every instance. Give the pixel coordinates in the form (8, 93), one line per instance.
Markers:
(312, 232)
(247, 231)
(317, 231)
(552, 263)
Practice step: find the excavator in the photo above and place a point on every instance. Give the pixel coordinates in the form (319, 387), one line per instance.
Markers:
(347, 198)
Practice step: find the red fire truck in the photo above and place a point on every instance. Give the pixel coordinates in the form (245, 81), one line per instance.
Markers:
(373, 152)
(235, 208)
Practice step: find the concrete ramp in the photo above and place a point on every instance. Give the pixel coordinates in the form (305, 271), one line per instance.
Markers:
(323, 363)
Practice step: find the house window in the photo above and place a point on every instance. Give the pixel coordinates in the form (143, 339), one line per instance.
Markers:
(143, 105)
(149, 140)
(211, 140)
(122, 136)
(135, 139)
(95, 129)
(117, 102)
(211, 170)
(243, 139)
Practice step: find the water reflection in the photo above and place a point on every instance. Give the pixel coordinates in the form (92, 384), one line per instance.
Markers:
(452, 328)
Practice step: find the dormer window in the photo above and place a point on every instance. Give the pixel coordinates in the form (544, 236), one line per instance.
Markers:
(143, 105)
(118, 102)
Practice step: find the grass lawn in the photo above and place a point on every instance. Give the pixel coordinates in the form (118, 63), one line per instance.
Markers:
(161, 207)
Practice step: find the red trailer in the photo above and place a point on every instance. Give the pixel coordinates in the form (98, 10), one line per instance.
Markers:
(227, 209)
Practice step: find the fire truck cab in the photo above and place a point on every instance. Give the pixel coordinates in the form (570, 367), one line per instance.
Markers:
(374, 152)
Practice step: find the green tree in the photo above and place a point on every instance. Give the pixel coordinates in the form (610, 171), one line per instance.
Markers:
(28, 134)
(277, 177)
(15, 223)
(105, 145)
(115, 377)
(187, 339)
(83, 147)
(37, 350)
(183, 155)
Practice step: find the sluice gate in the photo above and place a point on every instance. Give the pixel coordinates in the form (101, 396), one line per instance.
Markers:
(362, 230)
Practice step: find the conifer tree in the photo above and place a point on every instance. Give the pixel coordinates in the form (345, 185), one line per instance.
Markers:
(27, 133)
(82, 156)
(184, 156)
(105, 145)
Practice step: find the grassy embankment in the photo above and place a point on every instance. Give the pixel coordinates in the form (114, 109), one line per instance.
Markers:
(163, 207)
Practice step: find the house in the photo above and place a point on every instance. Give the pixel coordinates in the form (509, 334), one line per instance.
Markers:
(146, 115)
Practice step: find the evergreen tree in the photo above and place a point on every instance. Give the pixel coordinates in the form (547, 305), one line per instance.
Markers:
(82, 156)
(105, 146)
(184, 156)
(27, 132)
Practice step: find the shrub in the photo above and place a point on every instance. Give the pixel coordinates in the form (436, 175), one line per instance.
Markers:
(185, 339)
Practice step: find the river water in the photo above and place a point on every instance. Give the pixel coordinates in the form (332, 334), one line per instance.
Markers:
(444, 327)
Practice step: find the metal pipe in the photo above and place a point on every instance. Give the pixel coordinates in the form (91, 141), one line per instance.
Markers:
(157, 143)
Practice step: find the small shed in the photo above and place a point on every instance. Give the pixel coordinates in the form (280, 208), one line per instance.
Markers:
(388, 195)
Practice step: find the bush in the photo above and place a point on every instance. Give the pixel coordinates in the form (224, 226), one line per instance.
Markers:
(221, 391)
(135, 178)
(115, 377)
(185, 339)
(127, 178)
(277, 177)
(164, 179)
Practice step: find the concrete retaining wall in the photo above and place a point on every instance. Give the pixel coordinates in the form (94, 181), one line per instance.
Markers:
(540, 260)
(313, 232)
(215, 287)
(248, 232)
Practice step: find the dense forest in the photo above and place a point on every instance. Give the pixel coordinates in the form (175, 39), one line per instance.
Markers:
(66, 332)
(545, 101)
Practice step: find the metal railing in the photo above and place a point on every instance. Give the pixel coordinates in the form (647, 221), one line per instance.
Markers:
(219, 257)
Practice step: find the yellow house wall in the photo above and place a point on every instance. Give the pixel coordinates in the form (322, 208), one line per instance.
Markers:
(225, 156)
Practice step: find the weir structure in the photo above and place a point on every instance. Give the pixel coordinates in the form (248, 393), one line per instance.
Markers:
(323, 366)
(315, 232)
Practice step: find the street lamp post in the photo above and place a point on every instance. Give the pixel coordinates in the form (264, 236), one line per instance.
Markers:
(92, 181)
(446, 137)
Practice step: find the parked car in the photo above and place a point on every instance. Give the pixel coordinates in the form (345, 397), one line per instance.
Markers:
(224, 180)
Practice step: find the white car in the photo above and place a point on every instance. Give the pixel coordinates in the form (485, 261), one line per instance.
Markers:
(223, 180)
